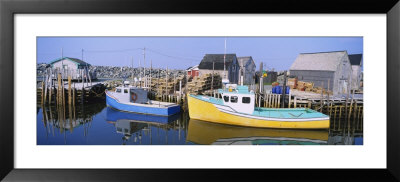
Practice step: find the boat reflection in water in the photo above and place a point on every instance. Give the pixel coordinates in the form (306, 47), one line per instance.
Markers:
(133, 124)
(203, 132)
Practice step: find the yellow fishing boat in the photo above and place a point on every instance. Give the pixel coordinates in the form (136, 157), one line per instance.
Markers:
(206, 133)
(237, 107)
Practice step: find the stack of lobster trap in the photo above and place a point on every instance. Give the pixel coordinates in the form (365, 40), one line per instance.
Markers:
(168, 86)
(205, 82)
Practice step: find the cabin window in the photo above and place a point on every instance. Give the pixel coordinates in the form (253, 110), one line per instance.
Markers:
(118, 90)
(234, 99)
(246, 100)
(125, 90)
(226, 98)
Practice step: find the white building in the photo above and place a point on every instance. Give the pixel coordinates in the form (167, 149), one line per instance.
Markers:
(76, 68)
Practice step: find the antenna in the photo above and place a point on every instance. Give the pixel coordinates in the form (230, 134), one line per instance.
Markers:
(62, 56)
(144, 61)
(140, 71)
(224, 59)
(132, 68)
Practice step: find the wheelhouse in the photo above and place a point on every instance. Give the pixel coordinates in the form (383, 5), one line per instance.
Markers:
(238, 98)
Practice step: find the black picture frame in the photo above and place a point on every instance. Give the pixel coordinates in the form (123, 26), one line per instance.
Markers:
(9, 8)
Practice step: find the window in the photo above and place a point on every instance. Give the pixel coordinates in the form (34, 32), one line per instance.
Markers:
(226, 98)
(118, 90)
(125, 90)
(234, 99)
(246, 100)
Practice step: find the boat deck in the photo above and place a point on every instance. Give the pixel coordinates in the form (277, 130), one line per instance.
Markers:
(290, 113)
(151, 103)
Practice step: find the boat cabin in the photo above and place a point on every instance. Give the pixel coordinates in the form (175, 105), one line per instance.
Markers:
(238, 98)
(131, 94)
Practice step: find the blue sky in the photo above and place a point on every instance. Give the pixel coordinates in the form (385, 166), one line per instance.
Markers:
(182, 52)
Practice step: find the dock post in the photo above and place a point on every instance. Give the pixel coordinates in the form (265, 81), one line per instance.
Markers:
(51, 88)
(45, 91)
(284, 90)
(180, 87)
(42, 93)
(327, 93)
(73, 96)
(69, 90)
(295, 102)
(322, 96)
(59, 89)
(279, 101)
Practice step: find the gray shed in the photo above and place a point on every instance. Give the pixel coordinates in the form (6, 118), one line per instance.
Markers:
(356, 63)
(323, 67)
(231, 66)
(247, 69)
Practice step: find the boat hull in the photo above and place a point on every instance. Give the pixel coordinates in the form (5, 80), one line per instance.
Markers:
(202, 110)
(142, 108)
(115, 115)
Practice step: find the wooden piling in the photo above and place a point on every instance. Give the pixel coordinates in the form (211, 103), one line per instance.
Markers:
(279, 101)
(50, 93)
(295, 102)
(73, 96)
(69, 91)
(59, 89)
(329, 109)
(42, 102)
(322, 96)
(45, 91)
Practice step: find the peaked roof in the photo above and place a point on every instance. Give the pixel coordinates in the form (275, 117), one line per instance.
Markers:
(355, 59)
(326, 61)
(245, 60)
(193, 67)
(218, 59)
(77, 61)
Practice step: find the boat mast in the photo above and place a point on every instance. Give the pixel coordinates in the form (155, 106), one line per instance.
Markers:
(224, 60)
(132, 68)
(140, 75)
(144, 64)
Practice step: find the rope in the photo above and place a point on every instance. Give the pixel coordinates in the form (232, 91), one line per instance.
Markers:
(98, 94)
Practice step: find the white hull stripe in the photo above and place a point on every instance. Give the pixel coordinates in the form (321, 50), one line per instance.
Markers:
(272, 138)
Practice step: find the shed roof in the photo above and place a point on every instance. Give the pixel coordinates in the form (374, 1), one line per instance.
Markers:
(355, 59)
(77, 61)
(320, 61)
(218, 59)
(192, 68)
(245, 60)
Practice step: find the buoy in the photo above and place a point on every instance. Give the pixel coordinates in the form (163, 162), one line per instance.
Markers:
(134, 97)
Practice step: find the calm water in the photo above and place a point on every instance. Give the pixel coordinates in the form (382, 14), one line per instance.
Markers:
(96, 124)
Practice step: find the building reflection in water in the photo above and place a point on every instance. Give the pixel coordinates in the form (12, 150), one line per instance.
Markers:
(116, 127)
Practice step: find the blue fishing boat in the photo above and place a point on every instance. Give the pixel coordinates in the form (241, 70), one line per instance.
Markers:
(134, 99)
